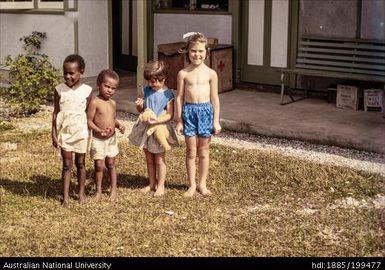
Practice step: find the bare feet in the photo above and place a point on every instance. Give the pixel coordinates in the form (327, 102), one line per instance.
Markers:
(147, 189)
(190, 192)
(159, 192)
(82, 199)
(204, 191)
(65, 203)
(98, 196)
(113, 195)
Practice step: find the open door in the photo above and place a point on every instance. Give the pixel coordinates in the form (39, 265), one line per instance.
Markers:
(124, 35)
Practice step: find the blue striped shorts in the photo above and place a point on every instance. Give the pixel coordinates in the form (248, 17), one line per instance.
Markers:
(198, 119)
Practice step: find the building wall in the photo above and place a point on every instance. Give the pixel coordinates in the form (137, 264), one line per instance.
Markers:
(326, 18)
(373, 18)
(62, 39)
(93, 34)
(170, 28)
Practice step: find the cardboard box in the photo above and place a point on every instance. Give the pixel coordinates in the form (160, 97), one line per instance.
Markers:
(349, 97)
(373, 100)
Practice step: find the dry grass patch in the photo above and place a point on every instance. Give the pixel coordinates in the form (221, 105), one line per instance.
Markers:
(264, 204)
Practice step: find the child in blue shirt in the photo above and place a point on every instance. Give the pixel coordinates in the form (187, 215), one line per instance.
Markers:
(160, 99)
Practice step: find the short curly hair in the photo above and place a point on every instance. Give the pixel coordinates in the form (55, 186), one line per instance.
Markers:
(155, 69)
(75, 58)
(107, 73)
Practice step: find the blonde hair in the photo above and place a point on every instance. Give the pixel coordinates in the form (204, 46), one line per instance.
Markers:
(155, 69)
(194, 38)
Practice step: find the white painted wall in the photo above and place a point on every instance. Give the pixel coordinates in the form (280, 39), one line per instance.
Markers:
(93, 35)
(92, 17)
(59, 29)
(170, 28)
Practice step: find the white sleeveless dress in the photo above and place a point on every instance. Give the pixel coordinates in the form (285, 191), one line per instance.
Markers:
(71, 121)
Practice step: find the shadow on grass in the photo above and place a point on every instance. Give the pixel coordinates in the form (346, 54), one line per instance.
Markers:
(46, 187)
(38, 186)
(124, 181)
(140, 181)
(132, 181)
(181, 187)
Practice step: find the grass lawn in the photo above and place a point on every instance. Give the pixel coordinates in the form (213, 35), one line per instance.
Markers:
(263, 204)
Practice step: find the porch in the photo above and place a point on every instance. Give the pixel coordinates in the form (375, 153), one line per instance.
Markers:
(259, 112)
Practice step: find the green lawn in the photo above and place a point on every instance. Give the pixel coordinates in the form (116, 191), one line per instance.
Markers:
(263, 204)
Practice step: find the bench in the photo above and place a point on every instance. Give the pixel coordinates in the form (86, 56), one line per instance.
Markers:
(353, 59)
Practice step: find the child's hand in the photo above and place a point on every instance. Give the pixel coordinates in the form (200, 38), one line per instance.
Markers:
(179, 128)
(139, 102)
(152, 121)
(121, 129)
(110, 130)
(55, 142)
(103, 133)
(217, 128)
(107, 132)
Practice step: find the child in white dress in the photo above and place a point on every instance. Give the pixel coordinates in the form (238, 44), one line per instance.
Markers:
(69, 123)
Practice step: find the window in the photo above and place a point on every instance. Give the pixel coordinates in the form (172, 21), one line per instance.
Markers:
(192, 5)
(36, 5)
(16, 4)
(212, 5)
(50, 4)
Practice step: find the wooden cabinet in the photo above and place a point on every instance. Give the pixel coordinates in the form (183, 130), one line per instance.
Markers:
(220, 59)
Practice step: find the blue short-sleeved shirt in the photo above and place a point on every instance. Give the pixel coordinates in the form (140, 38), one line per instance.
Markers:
(157, 100)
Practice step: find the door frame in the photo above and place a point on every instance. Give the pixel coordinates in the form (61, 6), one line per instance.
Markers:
(270, 76)
(119, 60)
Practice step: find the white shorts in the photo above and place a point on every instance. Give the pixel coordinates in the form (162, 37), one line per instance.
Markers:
(100, 149)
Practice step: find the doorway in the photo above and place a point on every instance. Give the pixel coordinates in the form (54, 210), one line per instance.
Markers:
(268, 39)
(124, 35)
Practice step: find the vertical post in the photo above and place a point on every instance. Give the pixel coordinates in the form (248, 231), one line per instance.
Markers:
(76, 37)
(282, 86)
(142, 44)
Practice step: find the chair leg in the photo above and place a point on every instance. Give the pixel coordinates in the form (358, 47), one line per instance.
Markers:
(282, 86)
(289, 92)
